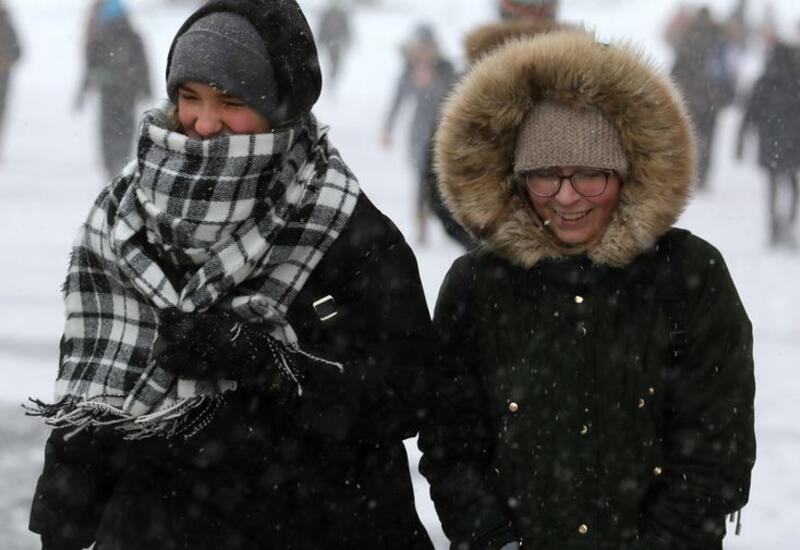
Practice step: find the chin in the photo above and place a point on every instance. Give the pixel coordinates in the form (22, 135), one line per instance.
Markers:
(573, 240)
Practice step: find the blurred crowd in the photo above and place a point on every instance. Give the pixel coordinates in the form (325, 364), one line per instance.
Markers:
(708, 53)
(707, 65)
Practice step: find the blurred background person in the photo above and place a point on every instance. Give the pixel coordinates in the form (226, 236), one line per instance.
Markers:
(737, 32)
(427, 76)
(540, 9)
(773, 112)
(768, 29)
(517, 20)
(677, 25)
(10, 52)
(116, 66)
(737, 29)
(334, 36)
(702, 70)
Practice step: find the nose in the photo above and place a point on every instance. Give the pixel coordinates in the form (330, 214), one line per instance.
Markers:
(208, 123)
(566, 194)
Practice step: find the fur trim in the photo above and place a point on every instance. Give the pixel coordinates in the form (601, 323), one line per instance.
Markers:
(486, 38)
(477, 136)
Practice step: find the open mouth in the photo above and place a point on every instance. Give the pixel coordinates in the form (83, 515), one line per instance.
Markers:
(571, 217)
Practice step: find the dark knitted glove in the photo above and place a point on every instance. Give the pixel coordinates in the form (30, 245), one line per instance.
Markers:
(212, 345)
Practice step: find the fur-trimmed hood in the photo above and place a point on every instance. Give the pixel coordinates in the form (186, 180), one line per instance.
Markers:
(475, 143)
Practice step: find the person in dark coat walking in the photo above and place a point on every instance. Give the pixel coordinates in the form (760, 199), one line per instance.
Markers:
(10, 53)
(116, 66)
(703, 71)
(426, 78)
(334, 36)
(595, 372)
(773, 111)
(247, 340)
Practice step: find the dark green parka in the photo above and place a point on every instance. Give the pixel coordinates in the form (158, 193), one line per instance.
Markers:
(593, 398)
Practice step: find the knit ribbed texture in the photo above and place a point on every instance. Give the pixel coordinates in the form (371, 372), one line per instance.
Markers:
(553, 134)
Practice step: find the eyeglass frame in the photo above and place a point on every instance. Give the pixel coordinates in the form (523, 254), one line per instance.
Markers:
(522, 178)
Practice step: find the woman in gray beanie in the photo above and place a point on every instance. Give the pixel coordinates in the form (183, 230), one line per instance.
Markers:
(246, 335)
(595, 371)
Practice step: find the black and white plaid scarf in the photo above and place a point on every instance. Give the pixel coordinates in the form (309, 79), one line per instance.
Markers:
(237, 222)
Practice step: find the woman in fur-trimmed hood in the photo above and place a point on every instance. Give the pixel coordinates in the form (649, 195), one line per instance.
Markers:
(595, 366)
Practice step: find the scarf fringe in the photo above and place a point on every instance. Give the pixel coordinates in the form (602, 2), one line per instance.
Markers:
(184, 419)
(283, 354)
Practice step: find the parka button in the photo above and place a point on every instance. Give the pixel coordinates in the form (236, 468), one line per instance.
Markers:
(513, 407)
(651, 391)
(583, 529)
(641, 403)
(584, 429)
(578, 299)
(657, 471)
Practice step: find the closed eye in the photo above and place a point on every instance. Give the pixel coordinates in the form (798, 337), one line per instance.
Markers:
(186, 96)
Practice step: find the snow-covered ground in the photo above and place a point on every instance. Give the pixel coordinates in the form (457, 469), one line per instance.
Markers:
(50, 172)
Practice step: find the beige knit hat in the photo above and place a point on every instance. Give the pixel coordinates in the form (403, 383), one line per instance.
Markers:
(552, 134)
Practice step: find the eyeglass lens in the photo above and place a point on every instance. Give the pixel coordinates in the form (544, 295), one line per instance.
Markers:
(548, 184)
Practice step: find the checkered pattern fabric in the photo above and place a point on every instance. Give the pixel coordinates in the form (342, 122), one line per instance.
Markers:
(237, 222)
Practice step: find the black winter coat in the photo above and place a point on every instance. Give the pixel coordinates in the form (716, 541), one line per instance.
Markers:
(566, 423)
(324, 470)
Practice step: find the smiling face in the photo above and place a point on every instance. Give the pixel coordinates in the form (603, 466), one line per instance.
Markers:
(206, 112)
(574, 219)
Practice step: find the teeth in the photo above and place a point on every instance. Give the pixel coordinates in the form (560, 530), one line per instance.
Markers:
(572, 217)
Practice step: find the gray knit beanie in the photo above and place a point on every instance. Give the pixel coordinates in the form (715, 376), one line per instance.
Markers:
(224, 50)
(552, 134)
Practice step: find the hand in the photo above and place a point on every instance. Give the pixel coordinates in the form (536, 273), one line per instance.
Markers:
(216, 344)
(190, 344)
(203, 332)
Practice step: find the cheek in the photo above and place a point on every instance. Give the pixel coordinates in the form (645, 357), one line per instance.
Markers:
(186, 115)
(606, 207)
(245, 123)
(540, 206)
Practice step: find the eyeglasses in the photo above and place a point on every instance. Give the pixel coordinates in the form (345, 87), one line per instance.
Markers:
(547, 183)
